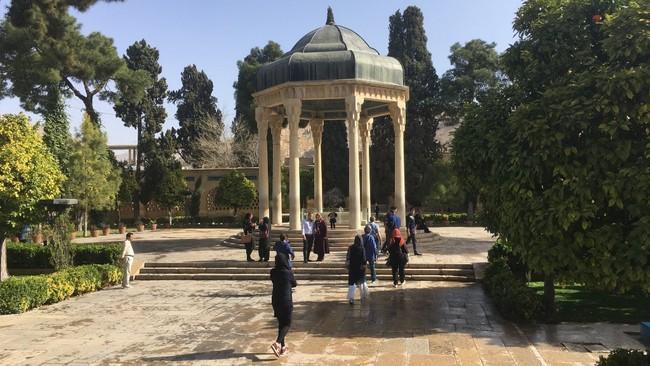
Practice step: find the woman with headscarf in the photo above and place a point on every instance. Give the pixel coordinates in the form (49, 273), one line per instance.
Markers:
(265, 235)
(397, 257)
(248, 227)
(356, 261)
(320, 238)
(282, 300)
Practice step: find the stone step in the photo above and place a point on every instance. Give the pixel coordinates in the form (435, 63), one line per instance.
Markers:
(299, 277)
(296, 264)
(301, 270)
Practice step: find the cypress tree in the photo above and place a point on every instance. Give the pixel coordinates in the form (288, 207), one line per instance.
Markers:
(335, 156)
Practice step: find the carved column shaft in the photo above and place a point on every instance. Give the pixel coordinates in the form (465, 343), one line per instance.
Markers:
(293, 108)
(365, 127)
(276, 194)
(398, 115)
(261, 116)
(317, 125)
(353, 108)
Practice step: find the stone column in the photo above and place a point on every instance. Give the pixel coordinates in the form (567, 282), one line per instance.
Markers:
(293, 108)
(317, 134)
(398, 115)
(261, 116)
(353, 109)
(276, 195)
(365, 126)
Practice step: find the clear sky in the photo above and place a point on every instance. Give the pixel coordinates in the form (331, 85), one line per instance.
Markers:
(215, 34)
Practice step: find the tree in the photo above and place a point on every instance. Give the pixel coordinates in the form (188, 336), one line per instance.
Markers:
(571, 159)
(475, 69)
(30, 173)
(244, 146)
(146, 115)
(42, 51)
(93, 179)
(236, 191)
(335, 153)
(128, 188)
(408, 44)
(197, 114)
(56, 131)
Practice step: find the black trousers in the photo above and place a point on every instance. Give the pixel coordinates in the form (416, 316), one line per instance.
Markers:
(307, 244)
(284, 323)
(263, 249)
(398, 270)
(411, 238)
(332, 224)
(249, 250)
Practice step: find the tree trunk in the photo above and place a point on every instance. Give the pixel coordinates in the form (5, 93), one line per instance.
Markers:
(4, 273)
(549, 296)
(138, 171)
(170, 218)
(85, 222)
(94, 116)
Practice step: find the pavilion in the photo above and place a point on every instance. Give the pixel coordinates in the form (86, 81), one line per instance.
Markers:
(330, 74)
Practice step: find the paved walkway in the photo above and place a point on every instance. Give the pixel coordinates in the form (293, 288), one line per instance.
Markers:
(230, 323)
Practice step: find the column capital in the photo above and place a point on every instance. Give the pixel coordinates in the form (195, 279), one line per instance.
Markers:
(275, 123)
(262, 117)
(317, 125)
(365, 126)
(293, 109)
(398, 115)
(353, 105)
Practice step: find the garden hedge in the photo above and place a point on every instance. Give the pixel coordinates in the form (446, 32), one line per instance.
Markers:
(26, 255)
(21, 293)
(625, 357)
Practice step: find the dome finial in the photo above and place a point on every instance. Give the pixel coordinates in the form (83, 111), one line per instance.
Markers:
(330, 16)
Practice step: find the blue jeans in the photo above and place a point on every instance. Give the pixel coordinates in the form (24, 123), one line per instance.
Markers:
(373, 272)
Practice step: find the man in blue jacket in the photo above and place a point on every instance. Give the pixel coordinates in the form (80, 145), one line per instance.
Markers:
(370, 247)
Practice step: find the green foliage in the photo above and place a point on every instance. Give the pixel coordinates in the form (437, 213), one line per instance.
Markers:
(56, 131)
(625, 357)
(236, 191)
(42, 47)
(128, 186)
(334, 150)
(29, 173)
(93, 179)
(443, 190)
(19, 294)
(195, 200)
(197, 115)
(29, 256)
(58, 240)
(306, 185)
(502, 250)
(511, 296)
(474, 71)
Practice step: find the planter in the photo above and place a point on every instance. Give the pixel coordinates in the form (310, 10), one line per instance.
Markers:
(37, 238)
(141, 227)
(94, 233)
(122, 229)
(106, 231)
(154, 227)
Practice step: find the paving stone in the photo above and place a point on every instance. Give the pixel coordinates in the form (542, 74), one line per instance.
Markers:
(428, 360)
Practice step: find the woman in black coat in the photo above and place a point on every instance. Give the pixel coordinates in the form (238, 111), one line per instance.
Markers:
(282, 300)
(356, 261)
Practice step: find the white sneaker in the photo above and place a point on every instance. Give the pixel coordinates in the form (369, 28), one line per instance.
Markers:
(351, 302)
(394, 285)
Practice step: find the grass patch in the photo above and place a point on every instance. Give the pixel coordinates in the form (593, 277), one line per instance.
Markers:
(577, 303)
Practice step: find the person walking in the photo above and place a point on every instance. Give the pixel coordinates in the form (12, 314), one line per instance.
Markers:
(284, 246)
(397, 257)
(307, 237)
(374, 230)
(356, 261)
(370, 247)
(127, 260)
(332, 216)
(247, 238)
(321, 246)
(411, 229)
(282, 300)
(265, 235)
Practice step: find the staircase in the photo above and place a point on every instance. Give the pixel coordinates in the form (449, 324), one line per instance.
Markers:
(313, 271)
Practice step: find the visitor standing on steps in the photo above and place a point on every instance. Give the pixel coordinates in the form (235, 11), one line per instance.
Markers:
(411, 228)
(263, 244)
(247, 238)
(284, 246)
(321, 246)
(370, 248)
(374, 230)
(356, 263)
(391, 222)
(127, 260)
(332, 216)
(282, 300)
(397, 257)
(307, 237)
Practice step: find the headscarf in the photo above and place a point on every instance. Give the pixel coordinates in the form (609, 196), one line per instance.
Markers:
(282, 261)
(357, 241)
(397, 234)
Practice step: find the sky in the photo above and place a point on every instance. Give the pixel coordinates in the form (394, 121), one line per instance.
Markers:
(214, 34)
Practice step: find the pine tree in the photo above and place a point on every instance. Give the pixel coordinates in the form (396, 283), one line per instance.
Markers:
(197, 114)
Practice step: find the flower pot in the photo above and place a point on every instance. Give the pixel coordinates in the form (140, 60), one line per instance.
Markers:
(106, 231)
(154, 227)
(37, 238)
(141, 227)
(122, 229)
(94, 233)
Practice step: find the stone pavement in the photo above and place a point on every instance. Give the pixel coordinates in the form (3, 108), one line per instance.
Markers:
(231, 323)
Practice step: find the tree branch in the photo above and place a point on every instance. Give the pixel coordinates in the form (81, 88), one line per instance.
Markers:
(76, 92)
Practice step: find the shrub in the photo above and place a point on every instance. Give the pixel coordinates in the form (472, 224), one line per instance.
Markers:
(502, 250)
(511, 296)
(38, 256)
(19, 294)
(625, 357)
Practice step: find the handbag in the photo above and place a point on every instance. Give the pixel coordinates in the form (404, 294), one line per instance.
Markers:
(246, 239)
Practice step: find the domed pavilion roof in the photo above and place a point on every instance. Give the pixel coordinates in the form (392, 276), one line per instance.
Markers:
(331, 52)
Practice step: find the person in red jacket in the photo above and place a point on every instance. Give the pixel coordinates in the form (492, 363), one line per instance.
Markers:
(397, 257)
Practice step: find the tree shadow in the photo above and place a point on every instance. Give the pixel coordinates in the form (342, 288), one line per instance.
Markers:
(210, 355)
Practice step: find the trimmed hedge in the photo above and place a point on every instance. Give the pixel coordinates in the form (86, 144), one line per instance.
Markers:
(512, 297)
(37, 256)
(625, 357)
(22, 293)
(454, 218)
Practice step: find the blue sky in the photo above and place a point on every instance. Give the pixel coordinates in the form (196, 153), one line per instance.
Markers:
(215, 34)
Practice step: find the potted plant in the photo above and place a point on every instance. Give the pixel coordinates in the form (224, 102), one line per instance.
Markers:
(93, 231)
(154, 224)
(139, 225)
(106, 229)
(122, 228)
(445, 219)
